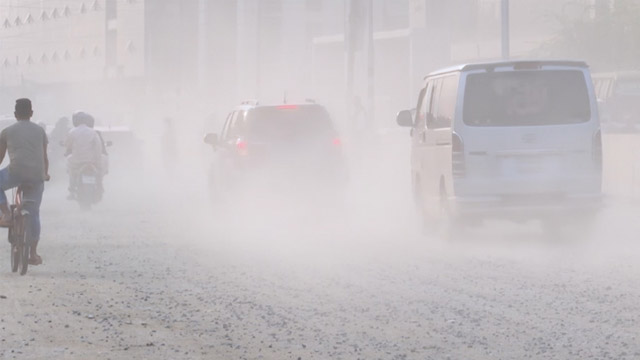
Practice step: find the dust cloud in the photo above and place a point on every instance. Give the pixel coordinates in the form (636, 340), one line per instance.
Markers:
(165, 161)
(171, 85)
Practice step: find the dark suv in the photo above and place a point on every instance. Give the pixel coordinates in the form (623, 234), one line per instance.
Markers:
(287, 148)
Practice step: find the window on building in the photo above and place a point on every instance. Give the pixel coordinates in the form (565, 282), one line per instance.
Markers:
(44, 16)
(29, 19)
(29, 60)
(83, 53)
(83, 9)
(96, 6)
(55, 14)
(6, 63)
(55, 57)
(44, 59)
(96, 51)
(66, 11)
(7, 24)
(67, 55)
(18, 21)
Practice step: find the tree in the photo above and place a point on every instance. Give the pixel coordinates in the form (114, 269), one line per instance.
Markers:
(609, 40)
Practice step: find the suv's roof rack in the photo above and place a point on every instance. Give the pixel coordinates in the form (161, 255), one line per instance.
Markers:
(252, 102)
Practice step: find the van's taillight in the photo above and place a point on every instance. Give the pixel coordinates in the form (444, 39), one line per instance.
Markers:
(457, 149)
(337, 142)
(597, 149)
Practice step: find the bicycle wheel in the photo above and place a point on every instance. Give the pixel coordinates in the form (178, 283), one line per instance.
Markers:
(16, 249)
(16, 254)
(25, 244)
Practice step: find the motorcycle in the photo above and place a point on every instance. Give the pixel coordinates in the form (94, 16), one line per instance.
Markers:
(86, 182)
(88, 186)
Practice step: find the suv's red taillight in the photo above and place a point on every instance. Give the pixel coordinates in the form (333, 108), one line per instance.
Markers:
(458, 158)
(241, 146)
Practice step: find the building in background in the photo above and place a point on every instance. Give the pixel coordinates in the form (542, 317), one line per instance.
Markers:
(118, 58)
(133, 59)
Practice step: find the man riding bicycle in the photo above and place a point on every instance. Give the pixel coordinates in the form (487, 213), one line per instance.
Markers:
(26, 143)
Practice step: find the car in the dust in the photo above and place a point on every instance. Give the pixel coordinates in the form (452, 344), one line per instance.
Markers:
(618, 96)
(514, 140)
(283, 148)
(125, 149)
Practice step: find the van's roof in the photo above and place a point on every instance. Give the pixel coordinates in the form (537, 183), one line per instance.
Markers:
(495, 64)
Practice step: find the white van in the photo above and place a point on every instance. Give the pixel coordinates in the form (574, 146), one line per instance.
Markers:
(513, 139)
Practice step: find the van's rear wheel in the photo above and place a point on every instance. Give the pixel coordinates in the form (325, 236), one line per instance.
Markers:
(450, 227)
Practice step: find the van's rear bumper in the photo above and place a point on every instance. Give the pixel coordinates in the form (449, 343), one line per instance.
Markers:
(526, 207)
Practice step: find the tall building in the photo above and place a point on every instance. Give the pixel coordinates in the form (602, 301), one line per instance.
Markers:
(112, 56)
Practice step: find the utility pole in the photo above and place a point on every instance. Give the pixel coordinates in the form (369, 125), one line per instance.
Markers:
(359, 41)
(202, 44)
(370, 121)
(258, 48)
(505, 29)
(111, 39)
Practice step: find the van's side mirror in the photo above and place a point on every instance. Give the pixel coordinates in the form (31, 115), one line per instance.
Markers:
(405, 118)
(211, 139)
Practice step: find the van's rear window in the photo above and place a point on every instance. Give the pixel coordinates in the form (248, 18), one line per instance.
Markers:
(526, 98)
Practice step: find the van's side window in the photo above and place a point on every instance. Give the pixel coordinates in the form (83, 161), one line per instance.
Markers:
(433, 102)
(444, 106)
(421, 113)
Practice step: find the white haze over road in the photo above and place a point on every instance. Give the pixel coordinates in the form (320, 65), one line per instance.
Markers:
(147, 276)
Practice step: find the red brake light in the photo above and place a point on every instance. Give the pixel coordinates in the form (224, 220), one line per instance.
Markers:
(241, 145)
(337, 142)
(287, 107)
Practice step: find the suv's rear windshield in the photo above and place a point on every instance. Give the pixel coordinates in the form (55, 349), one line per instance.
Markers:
(281, 122)
(526, 98)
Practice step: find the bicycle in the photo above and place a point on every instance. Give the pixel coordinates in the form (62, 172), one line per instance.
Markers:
(20, 232)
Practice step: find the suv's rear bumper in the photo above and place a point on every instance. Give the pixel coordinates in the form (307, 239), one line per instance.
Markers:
(533, 206)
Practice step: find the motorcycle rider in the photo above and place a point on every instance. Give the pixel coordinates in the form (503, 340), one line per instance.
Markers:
(58, 136)
(91, 121)
(26, 144)
(83, 147)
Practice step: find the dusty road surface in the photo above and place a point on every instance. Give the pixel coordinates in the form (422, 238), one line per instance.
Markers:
(142, 277)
